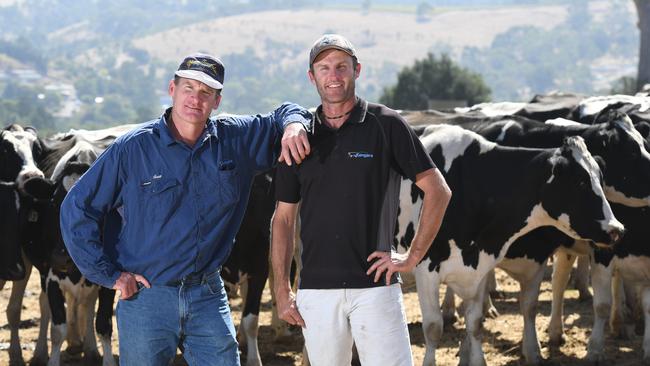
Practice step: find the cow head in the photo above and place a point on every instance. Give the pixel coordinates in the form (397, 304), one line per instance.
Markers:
(17, 163)
(627, 161)
(573, 196)
(12, 267)
(60, 260)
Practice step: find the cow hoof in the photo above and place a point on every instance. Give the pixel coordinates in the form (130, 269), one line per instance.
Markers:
(92, 357)
(492, 313)
(74, 350)
(585, 296)
(110, 361)
(556, 341)
(36, 361)
(496, 294)
(21, 362)
(626, 332)
(596, 358)
(449, 320)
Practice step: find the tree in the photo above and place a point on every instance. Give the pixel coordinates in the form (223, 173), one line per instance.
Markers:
(643, 12)
(434, 78)
(422, 12)
(624, 85)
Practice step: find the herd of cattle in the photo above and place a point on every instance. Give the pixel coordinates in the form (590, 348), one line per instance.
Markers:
(562, 176)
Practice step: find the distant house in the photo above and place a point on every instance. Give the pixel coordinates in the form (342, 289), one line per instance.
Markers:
(27, 76)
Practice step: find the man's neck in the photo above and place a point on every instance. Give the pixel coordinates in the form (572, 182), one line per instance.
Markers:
(335, 114)
(185, 132)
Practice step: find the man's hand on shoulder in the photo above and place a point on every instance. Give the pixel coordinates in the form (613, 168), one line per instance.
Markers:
(129, 284)
(295, 144)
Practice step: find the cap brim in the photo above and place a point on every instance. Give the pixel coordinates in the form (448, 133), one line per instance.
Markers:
(331, 47)
(200, 76)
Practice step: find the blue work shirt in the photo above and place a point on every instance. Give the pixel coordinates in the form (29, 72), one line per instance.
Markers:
(178, 207)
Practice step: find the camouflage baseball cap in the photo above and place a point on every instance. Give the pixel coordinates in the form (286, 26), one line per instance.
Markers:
(329, 41)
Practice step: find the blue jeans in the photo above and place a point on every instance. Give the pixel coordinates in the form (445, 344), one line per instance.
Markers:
(194, 316)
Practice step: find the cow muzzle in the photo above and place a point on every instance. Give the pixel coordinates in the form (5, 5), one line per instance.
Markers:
(615, 236)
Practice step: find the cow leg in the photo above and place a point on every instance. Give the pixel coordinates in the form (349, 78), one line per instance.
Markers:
(59, 327)
(74, 329)
(449, 314)
(492, 285)
(562, 265)
(634, 299)
(471, 352)
(621, 321)
(428, 288)
(250, 317)
(489, 310)
(528, 300)
(104, 324)
(529, 274)
(582, 278)
(14, 308)
(86, 313)
(13, 319)
(645, 303)
(41, 352)
(601, 279)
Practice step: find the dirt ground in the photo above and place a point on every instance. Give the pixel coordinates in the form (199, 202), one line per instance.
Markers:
(501, 336)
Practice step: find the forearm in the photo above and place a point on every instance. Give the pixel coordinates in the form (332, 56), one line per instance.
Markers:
(435, 201)
(289, 113)
(81, 235)
(282, 245)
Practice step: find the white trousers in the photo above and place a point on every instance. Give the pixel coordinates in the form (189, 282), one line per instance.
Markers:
(373, 318)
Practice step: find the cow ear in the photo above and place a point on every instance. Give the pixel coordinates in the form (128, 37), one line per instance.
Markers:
(40, 188)
(560, 164)
(643, 128)
(32, 130)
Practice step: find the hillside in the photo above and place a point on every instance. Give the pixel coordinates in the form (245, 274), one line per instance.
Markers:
(380, 37)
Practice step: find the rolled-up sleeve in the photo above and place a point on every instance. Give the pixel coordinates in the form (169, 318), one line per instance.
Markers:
(83, 214)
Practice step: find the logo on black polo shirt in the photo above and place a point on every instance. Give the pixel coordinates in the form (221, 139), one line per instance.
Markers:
(360, 155)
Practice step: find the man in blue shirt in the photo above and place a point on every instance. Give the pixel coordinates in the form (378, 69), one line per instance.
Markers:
(178, 187)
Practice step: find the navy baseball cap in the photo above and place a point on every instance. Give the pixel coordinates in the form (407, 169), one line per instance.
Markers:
(204, 68)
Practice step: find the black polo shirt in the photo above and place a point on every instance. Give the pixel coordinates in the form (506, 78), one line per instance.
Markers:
(349, 186)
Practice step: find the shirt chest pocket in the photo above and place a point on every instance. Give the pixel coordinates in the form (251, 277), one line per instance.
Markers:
(227, 182)
(159, 198)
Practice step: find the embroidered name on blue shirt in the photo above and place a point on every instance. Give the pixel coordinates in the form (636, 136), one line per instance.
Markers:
(360, 155)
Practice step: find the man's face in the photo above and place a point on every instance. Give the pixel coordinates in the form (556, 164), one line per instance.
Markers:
(334, 75)
(192, 100)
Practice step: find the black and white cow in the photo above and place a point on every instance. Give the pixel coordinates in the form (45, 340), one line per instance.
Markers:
(18, 148)
(628, 261)
(500, 194)
(34, 159)
(64, 281)
(627, 181)
(591, 110)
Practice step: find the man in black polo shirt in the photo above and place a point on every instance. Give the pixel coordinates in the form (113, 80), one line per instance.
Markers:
(349, 187)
